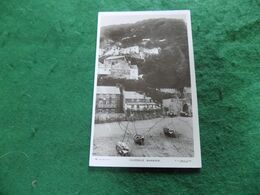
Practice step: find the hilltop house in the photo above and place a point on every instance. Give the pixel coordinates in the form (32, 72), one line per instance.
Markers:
(130, 50)
(120, 68)
(153, 51)
(144, 52)
(108, 99)
(134, 101)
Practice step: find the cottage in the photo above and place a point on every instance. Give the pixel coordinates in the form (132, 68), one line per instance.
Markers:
(134, 101)
(108, 99)
(153, 51)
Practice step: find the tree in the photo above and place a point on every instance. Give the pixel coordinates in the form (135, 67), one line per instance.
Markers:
(170, 69)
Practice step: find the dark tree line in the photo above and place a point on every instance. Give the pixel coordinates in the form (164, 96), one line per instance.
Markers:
(170, 69)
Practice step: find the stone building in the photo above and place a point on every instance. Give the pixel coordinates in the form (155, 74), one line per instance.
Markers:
(134, 101)
(108, 99)
(177, 105)
(120, 68)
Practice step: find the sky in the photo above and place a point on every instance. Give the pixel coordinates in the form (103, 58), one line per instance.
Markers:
(110, 18)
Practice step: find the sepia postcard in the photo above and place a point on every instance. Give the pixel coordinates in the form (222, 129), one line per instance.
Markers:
(145, 102)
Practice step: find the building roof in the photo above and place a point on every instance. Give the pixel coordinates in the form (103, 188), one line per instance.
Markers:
(108, 90)
(114, 57)
(133, 95)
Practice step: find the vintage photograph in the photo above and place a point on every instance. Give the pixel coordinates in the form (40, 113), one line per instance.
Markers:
(144, 91)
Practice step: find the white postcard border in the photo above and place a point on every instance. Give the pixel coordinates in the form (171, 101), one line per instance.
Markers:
(151, 162)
